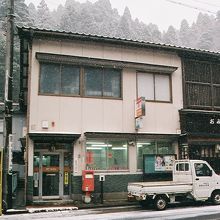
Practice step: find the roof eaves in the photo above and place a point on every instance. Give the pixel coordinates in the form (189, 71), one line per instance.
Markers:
(30, 31)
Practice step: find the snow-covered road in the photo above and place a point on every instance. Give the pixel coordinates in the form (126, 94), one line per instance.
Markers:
(199, 212)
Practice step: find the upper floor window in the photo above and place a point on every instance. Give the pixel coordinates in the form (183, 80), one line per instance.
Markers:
(202, 84)
(102, 82)
(154, 87)
(60, 79)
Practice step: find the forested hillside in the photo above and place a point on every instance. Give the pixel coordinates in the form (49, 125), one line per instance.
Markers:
(101, 19)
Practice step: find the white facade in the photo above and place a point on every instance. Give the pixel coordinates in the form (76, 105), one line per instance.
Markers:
(79, 115)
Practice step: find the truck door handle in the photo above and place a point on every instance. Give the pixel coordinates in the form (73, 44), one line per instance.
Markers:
(197, 178)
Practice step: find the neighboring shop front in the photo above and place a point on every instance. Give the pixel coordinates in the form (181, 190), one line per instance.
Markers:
(200, 117)
(201, 136)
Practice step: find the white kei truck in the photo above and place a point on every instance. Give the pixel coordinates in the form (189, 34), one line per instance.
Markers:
(192, 179)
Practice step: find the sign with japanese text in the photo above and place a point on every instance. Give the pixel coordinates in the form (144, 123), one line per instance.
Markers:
(199, 122)
(140, 107)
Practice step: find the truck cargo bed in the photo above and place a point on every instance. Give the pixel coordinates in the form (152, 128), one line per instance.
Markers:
(159, 187)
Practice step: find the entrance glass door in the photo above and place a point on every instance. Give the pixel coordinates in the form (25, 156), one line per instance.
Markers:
(51, 177)
(51, 174)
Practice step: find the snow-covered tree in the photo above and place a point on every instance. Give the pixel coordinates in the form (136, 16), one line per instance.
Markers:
(124, 27)
(170, 37)
(33, 13)
(44, 18)
(184, 33)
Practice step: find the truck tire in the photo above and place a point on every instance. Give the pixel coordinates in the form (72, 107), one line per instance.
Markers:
(216, 198)
(160, 203)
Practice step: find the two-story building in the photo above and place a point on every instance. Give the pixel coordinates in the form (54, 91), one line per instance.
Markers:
(80, 93)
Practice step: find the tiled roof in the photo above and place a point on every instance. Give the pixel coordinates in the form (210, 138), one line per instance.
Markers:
(36, 32)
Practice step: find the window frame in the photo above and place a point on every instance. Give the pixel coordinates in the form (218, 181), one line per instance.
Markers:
(156, 143)
(60, 83)
(154, 87)
(108, 142)
(82, 84)
(189, 64)
(184, 165)
(103, 81)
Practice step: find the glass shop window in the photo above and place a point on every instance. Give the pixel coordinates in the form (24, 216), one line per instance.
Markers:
(106, 155)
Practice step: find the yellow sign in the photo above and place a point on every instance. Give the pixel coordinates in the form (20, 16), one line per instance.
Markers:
(66, 178)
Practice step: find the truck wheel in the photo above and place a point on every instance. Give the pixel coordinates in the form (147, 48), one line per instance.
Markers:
(216, 198)
(160, 203)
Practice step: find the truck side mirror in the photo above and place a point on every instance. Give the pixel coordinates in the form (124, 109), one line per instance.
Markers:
(210, 173)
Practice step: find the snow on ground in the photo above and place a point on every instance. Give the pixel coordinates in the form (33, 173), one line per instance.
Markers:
(50, 209)
(119, 214)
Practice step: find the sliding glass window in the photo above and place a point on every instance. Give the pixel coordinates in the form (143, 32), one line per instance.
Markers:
(154, 87)
(69, 80)
(56, 79)
(102, 82)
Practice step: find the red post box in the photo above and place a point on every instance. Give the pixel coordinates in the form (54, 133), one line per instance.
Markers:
(88, 180)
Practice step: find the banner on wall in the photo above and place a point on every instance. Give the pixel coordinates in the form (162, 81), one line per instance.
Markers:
(164, 162)
(155, 163)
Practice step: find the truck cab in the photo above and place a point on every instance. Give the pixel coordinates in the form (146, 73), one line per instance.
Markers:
(198, 172)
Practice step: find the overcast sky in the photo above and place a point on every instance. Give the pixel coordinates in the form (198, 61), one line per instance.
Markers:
(160, 12)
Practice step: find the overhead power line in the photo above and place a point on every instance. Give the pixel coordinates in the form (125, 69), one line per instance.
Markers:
(191, 6)
(208, 3)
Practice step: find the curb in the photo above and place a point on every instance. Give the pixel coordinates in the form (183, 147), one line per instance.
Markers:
(35, 209)
(16, 211)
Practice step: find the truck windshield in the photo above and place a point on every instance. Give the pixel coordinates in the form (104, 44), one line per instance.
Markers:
(202, 169)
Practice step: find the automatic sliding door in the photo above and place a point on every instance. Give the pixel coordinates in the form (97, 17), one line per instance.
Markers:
(50, 175)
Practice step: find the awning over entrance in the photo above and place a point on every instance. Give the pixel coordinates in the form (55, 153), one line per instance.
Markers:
(132, 136)
(53, 137)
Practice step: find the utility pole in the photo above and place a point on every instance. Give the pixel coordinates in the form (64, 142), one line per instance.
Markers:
(8, 102)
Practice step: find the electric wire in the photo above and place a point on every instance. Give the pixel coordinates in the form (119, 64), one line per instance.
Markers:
(208, 3)
(191, 6)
